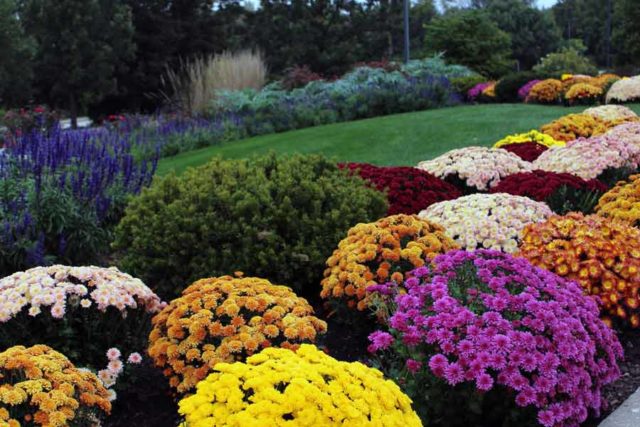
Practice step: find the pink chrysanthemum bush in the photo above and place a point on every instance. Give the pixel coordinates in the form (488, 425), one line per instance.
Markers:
(80, 311)
(590, 158)
(509, 343)
(475, 169)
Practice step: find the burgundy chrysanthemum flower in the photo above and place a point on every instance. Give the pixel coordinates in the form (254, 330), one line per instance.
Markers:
(528, 151)
(409, 190)
(540, 185)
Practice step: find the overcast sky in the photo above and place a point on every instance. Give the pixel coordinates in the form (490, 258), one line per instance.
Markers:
(546, 3)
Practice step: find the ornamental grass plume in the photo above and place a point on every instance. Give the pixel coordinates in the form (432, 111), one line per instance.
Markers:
(376, 252)
(70, 307)
(583, 93)
(39, 386)
(590, 158)
(601, 254)
(624, 90)
(475, 168)
(278, 387)
(225, 319)
(622, 202)
(545, 92)
(562, 192)
(573, 126)
(509, 343)
(408, 190)
(492, 221)
(611, 112)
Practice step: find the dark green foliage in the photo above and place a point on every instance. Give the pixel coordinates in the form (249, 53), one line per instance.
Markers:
(626, 32)
(471, 38)
(81, 45)
(533, 32)
(277, 218)
(59, 223)
(508, 86)
(568, 199)
(17, 50)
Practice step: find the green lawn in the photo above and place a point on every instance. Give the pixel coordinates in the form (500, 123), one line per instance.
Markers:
(402, 139)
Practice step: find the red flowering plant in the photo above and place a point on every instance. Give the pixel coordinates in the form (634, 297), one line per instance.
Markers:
(528, 151)
(511, 344)
(28, 119)
(562, 192)
(409, 190)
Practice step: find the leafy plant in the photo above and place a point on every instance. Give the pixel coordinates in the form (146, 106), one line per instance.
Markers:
(270, 217)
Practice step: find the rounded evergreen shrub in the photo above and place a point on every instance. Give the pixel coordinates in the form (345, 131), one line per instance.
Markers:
(272, 217)
(508, 86)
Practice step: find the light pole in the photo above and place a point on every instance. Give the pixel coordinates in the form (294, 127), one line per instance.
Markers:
(406, 31)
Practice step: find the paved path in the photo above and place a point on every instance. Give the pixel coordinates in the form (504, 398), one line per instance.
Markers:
(627, 415)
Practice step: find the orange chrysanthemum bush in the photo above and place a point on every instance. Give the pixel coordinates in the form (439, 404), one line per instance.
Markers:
(378, 252)
(573, 126)
(39, 386)
(622, 202)
(601, 254)
(227, 319)
(583, 93)
(545, 92)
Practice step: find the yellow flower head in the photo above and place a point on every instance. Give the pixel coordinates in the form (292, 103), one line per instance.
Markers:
(53, 392)
(306, 387)
(622, 202)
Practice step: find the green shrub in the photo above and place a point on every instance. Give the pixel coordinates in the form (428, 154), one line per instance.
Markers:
(566, 60)
(508, 86)
(276, 218)
(461, 85)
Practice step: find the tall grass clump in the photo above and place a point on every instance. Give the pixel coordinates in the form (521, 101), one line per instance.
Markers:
(195, 83)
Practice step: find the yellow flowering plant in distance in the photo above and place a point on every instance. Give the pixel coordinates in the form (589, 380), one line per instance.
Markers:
(224, 319)
(378, 252)
(601, 254)
(622, 202)
(279, 387)
(545, 92)
(573, 126)
(531, 136)
(583, 93)
(39, 386)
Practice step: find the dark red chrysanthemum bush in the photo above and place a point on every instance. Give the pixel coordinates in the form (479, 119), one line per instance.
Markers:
(562, 192)
(409, 190)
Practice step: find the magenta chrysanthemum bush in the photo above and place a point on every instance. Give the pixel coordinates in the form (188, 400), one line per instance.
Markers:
(485, 328)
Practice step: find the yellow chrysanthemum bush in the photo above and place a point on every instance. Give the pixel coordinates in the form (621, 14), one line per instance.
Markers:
(545, 92)
(583, 93)
(622, 202)
(225, 319)
(39, 386)
(531, 136)
(378, 252)
(279, 387)
(601, 254)
(573, 126)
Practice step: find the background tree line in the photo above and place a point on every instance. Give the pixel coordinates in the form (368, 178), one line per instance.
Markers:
(110, 55)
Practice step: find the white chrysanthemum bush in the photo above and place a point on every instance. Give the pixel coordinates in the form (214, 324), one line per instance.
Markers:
(98, 317)
(489, 221)
(475, 168)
